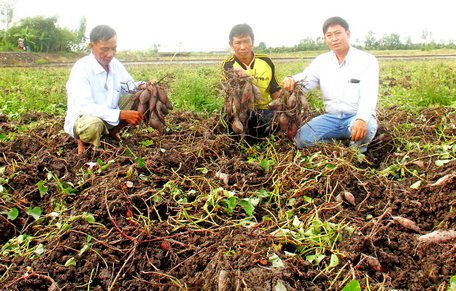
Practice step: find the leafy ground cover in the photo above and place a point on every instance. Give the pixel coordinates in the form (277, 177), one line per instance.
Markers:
(199, 209)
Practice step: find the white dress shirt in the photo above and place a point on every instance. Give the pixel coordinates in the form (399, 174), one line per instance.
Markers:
(347, 88)
(93, 91)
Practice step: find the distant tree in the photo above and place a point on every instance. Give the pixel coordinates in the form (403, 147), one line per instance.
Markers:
(261, 47)
(309, 44)
(43, 34)
(428, 41)
(6, 13)
(370, 42)
(80, 44)
(391, 42)
(81, 33)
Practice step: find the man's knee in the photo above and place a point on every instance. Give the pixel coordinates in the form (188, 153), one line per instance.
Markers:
(89, 129)
(305, 137)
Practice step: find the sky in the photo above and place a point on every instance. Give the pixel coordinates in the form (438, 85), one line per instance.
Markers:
(204, 25)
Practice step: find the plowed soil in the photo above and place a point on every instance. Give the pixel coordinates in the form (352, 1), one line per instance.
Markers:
(155, 227)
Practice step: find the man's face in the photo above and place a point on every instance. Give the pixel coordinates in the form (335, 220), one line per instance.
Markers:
(104, 50)
(336, 38)
(242, 46)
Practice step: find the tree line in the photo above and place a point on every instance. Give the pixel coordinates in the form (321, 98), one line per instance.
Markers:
(386, 42)
(44, 35)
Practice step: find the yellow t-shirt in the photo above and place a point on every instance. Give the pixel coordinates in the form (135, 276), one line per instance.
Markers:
(262, 71)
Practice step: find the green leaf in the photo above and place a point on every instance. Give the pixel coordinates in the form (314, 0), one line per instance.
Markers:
(416, 185)
(247, 206)
(452, 286)
(39, 249)
(35, 212)
(70, 262)
(276, 261)
(89, 218)
(353, 285)
(315, 259)
(203, 171)
(146, 143)
(232, 202)
(140, 162)
(440, 163)
(266, 164)
(13, 213)
(307, 199)
(42, 188)
(334, 261)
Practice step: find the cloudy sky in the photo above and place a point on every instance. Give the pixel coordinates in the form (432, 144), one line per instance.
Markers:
(205, 24)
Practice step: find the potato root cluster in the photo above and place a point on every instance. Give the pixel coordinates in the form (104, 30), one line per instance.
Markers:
(153, 102)
(292, 110)
(240, 96)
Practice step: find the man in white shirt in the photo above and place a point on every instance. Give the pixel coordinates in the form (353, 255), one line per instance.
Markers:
(348, 79)
(95, 85)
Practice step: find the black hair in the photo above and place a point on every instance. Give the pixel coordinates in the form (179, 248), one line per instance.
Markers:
(102, 32)
(334, 21)
(241, 30)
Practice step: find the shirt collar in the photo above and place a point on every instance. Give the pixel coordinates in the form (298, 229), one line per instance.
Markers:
(246, 66)
(347, 57)
(96, 66)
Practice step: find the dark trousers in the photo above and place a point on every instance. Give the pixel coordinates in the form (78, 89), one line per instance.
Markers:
(259, 124)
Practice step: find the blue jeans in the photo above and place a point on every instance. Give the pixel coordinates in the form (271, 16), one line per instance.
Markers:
(333, 127)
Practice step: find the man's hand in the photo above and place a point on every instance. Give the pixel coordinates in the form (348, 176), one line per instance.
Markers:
(289, 84)
(132, 117)
(359, 130)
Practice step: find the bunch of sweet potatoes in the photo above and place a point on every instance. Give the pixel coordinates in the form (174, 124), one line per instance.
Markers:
(240, 96)
(292, 110)
(152, 101)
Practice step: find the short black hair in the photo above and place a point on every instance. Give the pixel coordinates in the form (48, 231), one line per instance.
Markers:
(102, 32)
(334, 21)
(241, 30)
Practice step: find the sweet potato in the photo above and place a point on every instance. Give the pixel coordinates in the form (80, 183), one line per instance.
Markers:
(291, 102)
(236, 104)
(256, 93)
(228, 106)
(374, 263)
(438, 236)
(163, 97)
(275, 104)
(407, 223)
(153, 102)
(156, 123)
(247, 93)
(292, 130)
(283, 122)
(159, 114)
(162, 108)
(237, 125)
(144, 97)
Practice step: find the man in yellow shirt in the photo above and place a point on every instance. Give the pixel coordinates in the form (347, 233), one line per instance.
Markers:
(262, 70)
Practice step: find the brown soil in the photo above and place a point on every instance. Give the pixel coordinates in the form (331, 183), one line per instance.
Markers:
(143, 239)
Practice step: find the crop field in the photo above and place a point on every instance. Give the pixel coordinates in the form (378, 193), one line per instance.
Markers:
(196, 208)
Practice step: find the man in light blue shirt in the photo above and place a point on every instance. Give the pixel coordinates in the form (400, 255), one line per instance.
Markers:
(348, 79)
(94, 88)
